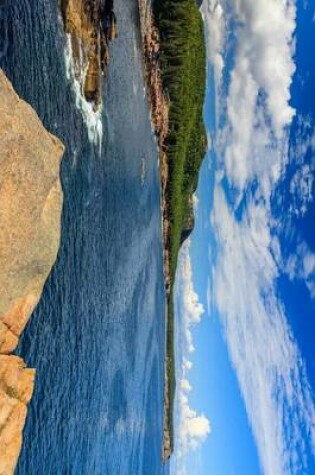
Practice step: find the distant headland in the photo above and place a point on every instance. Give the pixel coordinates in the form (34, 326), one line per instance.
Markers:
(175, 66)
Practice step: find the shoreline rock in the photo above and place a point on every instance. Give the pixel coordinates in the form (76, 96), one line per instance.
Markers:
(159, 106)
(91, 25)
(30, 212)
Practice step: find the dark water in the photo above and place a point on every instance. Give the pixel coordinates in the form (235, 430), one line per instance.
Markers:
(97, 335)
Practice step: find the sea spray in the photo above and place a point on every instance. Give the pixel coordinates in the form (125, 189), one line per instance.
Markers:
(92, 118)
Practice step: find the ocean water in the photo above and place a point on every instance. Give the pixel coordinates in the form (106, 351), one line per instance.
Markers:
(97, 335)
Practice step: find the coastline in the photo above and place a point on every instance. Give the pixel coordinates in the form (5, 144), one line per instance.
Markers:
(159, 108)
(175, 88)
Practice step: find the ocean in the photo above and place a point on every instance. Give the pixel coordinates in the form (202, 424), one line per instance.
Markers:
(97, 336)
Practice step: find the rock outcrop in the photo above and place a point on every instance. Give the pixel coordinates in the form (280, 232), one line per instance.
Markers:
(30, 210)
(91, 25)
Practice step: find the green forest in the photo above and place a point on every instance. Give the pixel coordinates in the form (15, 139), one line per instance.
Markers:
(183, 65)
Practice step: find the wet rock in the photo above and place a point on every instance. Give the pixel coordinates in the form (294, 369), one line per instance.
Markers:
(91, 25)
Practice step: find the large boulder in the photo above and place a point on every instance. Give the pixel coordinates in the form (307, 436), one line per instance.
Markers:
(30, 211)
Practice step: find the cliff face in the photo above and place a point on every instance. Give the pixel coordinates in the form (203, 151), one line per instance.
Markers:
(30, 210)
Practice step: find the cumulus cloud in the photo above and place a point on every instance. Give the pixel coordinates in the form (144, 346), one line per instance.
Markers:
(258, 106)
(265, 42)
(192, 428)
(191, 309)
(214, 20)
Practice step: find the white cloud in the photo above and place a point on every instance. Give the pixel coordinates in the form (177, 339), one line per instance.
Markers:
(304, 140)
(195, 201)
(301, 189)
(192, 428)
(185, 385)
(269, 368)
(265, 41)
(213, 15)
(187, 365)
(302, 161)
(257, 105)
(191, 309)
(301, 265)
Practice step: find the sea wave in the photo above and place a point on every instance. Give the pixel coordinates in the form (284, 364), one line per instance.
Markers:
(92, 118)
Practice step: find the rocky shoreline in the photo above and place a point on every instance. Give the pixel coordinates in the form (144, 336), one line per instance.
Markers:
(159, 108)
(91, 26)
(31, 203)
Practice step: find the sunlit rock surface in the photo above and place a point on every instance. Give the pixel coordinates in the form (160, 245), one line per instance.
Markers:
(30, 210)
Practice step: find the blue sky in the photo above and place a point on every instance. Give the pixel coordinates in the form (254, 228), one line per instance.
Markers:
(245, 293)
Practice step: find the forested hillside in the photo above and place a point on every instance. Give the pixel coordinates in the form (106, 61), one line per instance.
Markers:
(183, 65)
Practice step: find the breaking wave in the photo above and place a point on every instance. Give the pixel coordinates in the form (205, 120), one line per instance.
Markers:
(92, 118)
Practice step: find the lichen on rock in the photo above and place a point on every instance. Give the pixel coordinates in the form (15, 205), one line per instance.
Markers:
(30, 211)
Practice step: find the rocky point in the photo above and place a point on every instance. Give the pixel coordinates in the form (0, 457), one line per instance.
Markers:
(30, 211)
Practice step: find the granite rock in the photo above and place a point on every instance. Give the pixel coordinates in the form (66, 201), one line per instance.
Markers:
(30, 211)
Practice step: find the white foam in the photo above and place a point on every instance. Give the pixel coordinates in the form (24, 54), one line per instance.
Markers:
(92, 118)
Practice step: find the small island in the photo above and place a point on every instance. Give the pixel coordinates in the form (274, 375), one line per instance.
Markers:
(175, 64)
